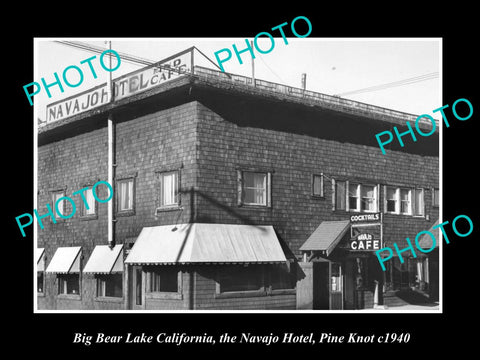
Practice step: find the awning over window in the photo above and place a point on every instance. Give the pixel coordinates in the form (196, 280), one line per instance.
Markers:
(426, 241)
(206, 243)
(65, 261)
(105, 260)
(40, 257)
(326, 236)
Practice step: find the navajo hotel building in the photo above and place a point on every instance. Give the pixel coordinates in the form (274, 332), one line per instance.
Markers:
(229, 193)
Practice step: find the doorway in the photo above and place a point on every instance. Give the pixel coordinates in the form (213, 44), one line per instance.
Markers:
(136, 288)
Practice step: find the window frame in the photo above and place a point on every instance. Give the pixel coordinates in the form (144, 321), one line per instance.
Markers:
(346, 194)
(149, 294)
(261, 291)
(322, 186)
(101, 280)
(53, 193)
(83, 208)
(291, 270)
(435, 197)
(61, 279)
(241, 188)
(131, 211)
(159, 189)
(412, 206)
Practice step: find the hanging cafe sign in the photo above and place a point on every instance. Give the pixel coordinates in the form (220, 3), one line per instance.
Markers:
(366, 232)
(130, 84)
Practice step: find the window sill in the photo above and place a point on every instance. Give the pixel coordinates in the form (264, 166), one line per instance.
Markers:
(164, 296)
(240, 294)
(318, 197)
(254, 207)
(109, 299)
(283, 292)
(167, 208)
(125, 213)
(40, 294)
(88, 217)
(69, 297)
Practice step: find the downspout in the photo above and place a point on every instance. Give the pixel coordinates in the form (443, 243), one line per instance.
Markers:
(111, 144)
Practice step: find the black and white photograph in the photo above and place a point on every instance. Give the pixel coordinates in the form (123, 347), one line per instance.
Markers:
(277, 186)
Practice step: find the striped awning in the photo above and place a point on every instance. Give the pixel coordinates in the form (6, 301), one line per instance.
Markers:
(40, 257)
(66, 260)
(105, 260)
(326, 236)
(206, 243)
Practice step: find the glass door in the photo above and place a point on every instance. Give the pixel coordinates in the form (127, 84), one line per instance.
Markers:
(336, 286)
(136, 298)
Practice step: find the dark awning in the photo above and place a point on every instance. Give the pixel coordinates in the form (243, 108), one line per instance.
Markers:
(326, 236)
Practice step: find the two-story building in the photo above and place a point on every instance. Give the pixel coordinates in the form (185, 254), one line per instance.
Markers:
(229, 193)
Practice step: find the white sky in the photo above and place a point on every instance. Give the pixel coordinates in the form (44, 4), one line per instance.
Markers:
(332, 65)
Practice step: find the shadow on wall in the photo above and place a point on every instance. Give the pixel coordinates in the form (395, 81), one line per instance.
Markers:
(312, 121)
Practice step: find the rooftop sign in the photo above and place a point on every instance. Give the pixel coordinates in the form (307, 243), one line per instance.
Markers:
(130, 84)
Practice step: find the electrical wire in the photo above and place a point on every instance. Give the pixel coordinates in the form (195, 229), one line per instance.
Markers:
(402, 82)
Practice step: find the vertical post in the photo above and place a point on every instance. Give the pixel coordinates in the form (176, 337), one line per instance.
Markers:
(111, 240)
(253, 65)
(192, 61)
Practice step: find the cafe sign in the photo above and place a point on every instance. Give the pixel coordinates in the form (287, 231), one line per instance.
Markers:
(366, 232)
(130, 84)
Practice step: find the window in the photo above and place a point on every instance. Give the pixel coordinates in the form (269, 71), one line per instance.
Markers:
(61, 205)
(281, 277)
(169, 188)
(125, 195)
(436, 197)
(254, 188)
(419, 203)
(241, 278)
(392, 200)
(359, 197)
(110, 285)
(89, 202)
(368, 200)
(68, 284)
(404, 201)
(340, 191)
(353, 197)
(164, 279)
(317, 185)
(40, 282)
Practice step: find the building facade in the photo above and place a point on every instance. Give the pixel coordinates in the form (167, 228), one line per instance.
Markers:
(228, 193)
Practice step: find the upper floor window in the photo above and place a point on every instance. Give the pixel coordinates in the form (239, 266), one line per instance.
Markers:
(254, 188)
(352, 196)
(125, 195)
(60, 207)
(404, 201)
(317, 185)
(89, 207)
(169, 188)
(436, 197)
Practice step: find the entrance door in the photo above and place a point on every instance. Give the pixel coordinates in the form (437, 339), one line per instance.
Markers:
(136, 287)
(336, 286)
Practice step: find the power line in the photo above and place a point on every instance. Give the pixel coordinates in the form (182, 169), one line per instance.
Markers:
(403, 82)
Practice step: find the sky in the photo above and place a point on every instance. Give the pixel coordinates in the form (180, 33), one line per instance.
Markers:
(333, 66)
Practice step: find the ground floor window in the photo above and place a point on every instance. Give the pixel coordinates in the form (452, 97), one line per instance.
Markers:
(40, 281)
(242, 278)
(110, 285)
(281, 277)
(68, 284)
(164, 279)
